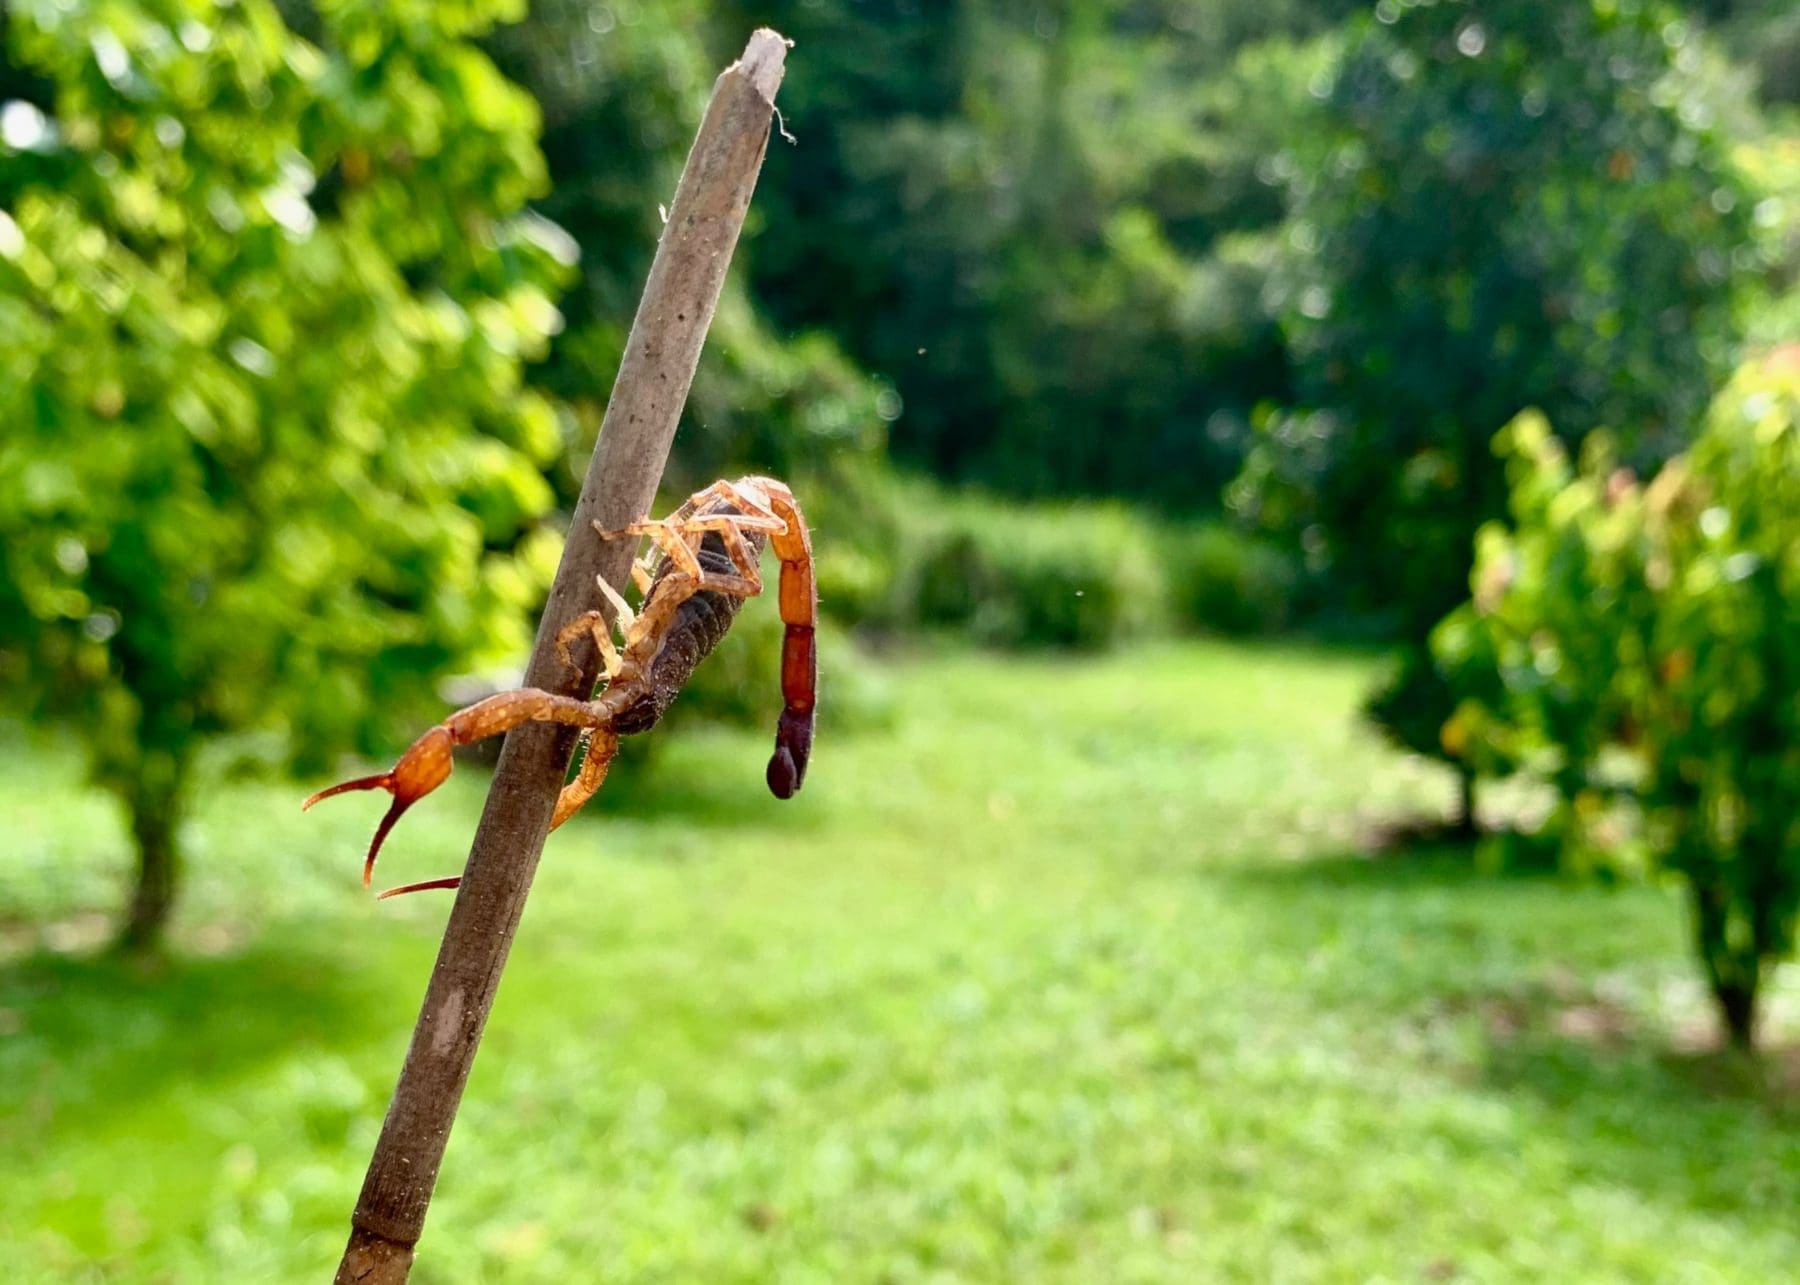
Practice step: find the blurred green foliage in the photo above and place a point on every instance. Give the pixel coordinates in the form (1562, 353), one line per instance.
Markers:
(1772, 165)
(1647, 642)
(1078, 576)
(1045, 224)
(268, 460)
(905, 556)
(1765, 36)
(1506, 204)
(1066, 576)
(621, 89)
(1226, 581)
(1496, 205)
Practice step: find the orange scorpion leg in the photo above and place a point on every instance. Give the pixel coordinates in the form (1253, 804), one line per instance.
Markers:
(597, 756)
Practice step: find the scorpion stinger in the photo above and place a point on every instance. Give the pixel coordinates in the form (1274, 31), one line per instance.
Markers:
(708, 567)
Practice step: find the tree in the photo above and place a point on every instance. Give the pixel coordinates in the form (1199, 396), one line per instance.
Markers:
(266, 455)
(1045, 225)
(620, 100)
(1644, 645)
(1506, 204)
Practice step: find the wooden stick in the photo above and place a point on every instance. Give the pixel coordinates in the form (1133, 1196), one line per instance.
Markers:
(647, 398)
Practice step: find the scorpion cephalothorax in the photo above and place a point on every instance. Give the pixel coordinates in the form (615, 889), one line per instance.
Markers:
(692, 592)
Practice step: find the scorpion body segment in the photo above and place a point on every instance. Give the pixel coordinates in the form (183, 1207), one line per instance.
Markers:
(700, 624)
(691, 594)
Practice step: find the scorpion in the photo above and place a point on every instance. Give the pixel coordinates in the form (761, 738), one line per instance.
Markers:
(692, 592)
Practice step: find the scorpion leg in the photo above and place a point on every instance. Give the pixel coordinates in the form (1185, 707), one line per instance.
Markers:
(799, 597)
(652, 624)
(743, 556)
(426, 765)
(665, 534)
(678, 535)
(593, 624)
(747, 494)
(680, 540)
(730, 491)
(622, 612)
(730, 527)
(598, 750)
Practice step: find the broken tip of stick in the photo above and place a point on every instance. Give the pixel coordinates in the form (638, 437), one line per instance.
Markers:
(763, 60)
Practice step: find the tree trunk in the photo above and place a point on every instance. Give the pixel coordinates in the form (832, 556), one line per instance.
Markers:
(1466, 827)
(1734, 973)
(1737, 1005)
(153, 804)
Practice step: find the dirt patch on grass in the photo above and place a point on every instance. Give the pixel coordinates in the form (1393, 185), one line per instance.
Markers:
(1682, 1035)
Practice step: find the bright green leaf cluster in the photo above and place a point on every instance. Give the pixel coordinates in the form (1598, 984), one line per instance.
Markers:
(266, 459)
(1647, 644)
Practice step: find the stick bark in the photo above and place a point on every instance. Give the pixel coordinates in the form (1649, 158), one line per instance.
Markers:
(647, 398)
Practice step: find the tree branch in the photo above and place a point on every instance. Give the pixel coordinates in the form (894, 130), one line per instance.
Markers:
(646, 403)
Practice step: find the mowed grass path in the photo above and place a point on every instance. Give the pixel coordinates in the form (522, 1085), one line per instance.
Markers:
(1074, 973)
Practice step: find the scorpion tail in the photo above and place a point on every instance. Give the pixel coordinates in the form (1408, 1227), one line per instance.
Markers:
(799, 597)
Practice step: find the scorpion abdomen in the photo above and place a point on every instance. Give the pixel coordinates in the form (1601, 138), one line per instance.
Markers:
(701, 622)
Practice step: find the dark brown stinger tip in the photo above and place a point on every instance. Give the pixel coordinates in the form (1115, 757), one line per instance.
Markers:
(793, 747)
(782, 776)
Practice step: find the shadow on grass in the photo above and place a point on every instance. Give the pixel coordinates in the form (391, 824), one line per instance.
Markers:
(1554, 994)
(1710, 1130)
(1423, 855)
(80, 1033)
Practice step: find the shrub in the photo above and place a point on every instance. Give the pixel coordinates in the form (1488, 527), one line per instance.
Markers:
(897, 555)
(1408, 709)
(1018, 582)
(1075, 576)
(1601, 250)
(1228, 582)
(1646, 640)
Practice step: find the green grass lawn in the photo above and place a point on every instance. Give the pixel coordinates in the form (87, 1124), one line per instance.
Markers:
(1074, 973)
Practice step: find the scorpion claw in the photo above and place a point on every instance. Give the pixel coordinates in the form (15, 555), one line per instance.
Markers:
(392, 815)
(424, 767)
(380, 781)
(422, 886)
